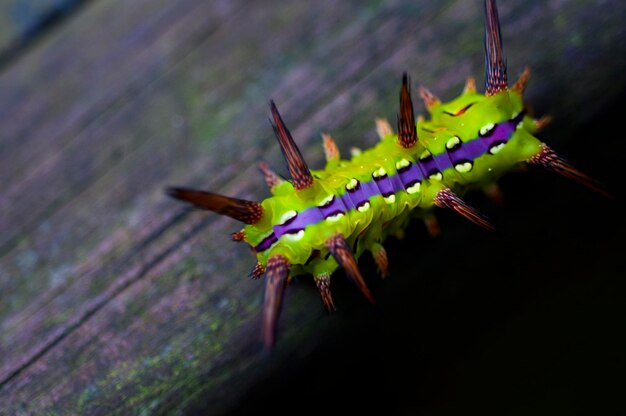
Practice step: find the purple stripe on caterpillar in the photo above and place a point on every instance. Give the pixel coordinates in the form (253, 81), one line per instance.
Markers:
(387, 185)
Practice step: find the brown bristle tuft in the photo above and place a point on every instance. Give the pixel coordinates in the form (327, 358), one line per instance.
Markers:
(258, 271)
(407, 132)
(541, 123)
(238, 236)
(494, 193)
(338, 247)
(331, 151)
(383, 128)
(448, 199)
(298, 169)
(271, 178)
(380, 258)
(550, 160)
(470, 85)
(248, 212)
(275, 282)
(522, 81)
(430, 100)
(432, 225)
(323, 285)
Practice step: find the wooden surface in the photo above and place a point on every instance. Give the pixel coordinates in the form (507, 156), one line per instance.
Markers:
(116, 300)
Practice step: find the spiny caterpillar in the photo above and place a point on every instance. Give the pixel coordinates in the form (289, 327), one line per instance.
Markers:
(323, 219)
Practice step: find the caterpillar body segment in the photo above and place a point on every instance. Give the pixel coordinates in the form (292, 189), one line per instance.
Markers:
(321, 220)
(323, 285)
(469, 141)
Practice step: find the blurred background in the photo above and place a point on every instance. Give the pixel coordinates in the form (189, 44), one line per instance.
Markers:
(116, 300)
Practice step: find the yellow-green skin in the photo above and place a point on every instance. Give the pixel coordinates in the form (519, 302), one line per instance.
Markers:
(383, 218)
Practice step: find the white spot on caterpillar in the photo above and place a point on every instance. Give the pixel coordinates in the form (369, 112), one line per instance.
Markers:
(352, 184)
(294, 236)
(519, 125)
(379, 172)
(414, 188)
(335, 218)
(390, 199)
(496, 148)
(484, 130)
(287, 216)
(425, 155)
(402, 163)
(436, 176)
(452, 142)
(463, 167)
(364, 207)
(325, 201)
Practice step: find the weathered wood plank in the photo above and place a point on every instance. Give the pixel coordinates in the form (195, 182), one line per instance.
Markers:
(22, 22)
(120, 301)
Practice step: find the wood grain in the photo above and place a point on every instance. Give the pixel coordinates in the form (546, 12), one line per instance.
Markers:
(116, 300)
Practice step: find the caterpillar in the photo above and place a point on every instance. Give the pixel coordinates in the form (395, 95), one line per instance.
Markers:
(322, 220)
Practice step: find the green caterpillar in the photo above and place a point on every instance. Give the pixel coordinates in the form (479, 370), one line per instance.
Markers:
(324, 219)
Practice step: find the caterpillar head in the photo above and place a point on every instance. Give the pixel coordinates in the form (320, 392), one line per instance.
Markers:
(486, 135)
(483, 135)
